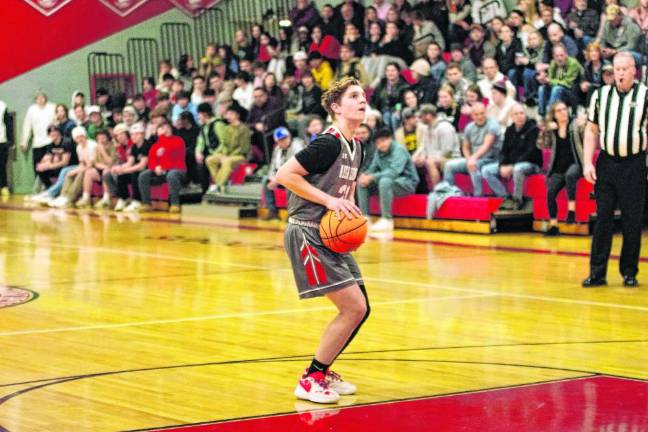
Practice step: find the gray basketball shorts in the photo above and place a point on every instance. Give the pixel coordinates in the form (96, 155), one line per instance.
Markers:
(317, 269)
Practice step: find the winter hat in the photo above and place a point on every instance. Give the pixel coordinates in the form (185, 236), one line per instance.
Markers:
(421, 67)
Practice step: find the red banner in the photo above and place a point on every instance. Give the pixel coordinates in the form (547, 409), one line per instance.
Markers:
(194, 8)
(123, 7)
(47, 7)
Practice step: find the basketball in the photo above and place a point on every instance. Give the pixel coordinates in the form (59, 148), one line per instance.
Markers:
(342, 235)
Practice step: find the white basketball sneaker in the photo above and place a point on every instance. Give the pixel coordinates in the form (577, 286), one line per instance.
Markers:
(336, 383)
(383, 225)
(314, 388)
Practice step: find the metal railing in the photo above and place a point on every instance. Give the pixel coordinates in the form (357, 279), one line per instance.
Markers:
(143, 56)
(177, 39)
(108, 71)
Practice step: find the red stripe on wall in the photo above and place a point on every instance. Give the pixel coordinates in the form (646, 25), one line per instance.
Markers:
(29, 39)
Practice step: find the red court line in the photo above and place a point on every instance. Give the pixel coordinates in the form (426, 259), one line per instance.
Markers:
(396, 239)
(599, 403)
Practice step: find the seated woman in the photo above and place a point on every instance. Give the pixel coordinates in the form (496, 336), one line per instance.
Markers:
(473, 95)
(565, 137)
(105, 157)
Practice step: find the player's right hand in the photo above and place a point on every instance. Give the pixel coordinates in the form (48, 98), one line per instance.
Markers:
(340, 205)
(589, 172)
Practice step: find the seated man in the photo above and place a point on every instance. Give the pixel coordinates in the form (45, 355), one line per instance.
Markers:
(620, 33)
(437, 142)
(166, 163)
(119, 177)
(564, 72)
(481, 146)
(390, 173)
(232, 150)
(285, 148)
(520, 158)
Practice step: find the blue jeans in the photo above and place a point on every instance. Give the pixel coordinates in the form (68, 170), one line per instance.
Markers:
(459, 166)
(268, 194)
(529, 83)
(521, 171)
(55, 189)
(386, 188)
(554, 94)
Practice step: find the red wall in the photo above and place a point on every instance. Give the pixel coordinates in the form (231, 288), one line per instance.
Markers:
(29, 39)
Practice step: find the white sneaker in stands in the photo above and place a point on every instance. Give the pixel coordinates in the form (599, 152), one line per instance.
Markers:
(121, 205)
(314, 388)
(133, 206)
(340, 386)
(383, 224)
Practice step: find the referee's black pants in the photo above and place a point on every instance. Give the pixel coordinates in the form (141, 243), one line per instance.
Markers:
(619, 181)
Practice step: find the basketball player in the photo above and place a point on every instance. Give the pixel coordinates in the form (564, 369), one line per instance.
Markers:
(323, 176)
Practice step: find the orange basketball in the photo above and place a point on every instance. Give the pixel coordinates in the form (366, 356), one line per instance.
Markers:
(342, 235)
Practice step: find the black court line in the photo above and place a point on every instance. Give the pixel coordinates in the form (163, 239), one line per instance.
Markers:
(308, 356)
(334, 407)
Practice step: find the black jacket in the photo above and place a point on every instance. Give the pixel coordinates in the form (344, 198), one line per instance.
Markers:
(521, 145)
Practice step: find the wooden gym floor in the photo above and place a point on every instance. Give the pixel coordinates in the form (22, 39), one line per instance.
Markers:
(144, 323)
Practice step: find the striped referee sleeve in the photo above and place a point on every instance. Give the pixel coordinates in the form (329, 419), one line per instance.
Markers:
(593, 110)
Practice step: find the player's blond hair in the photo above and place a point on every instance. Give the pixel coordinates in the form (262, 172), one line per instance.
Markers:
(336, 91)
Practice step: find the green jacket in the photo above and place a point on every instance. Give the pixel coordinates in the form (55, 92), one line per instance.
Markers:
(93, 129)
(564, 76)
(623, 38)
(236, 141)
(395, 163)
(211, 135)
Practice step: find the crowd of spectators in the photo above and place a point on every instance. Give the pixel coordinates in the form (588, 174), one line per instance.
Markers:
(455, 86)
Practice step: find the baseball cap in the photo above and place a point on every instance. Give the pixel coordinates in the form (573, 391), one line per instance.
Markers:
(94, 109)
(300, 55)
(281, 133)
(408, 113)
(79, 131)
(137, 128)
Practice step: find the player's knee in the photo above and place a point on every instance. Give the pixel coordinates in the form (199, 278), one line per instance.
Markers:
(357, 311)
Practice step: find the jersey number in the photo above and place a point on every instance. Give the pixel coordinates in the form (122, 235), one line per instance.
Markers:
(345, 192)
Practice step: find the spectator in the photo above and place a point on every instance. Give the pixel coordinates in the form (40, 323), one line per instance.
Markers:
(374, 39)
(165, 72)
(314, 127)
(105, 156)
(507, 50)
(447, 105)
(120, 177)
(525, 72)
(564, 71)
(81, 117)
(473, 96)
(393, 45)
(640, 15)
(351, 11)
(433, 55)
(556, 36)
(425, 33)
(198, 89)
(321, 70)
(311, 97)
(300, 60)
(593, 72)
(389, 92)
(186, 69)
(62, 121)
(565, 168)
(459, 18)
(242, 47)
(437, 143)
(211, 134)
(456, 81)
(331, 23)
(231, 152)
(142, 110)
(78, 98)
(210, 62)
(277, 64)
(479, 48)
(426, 87)
(303, 14)
(501, 106)
(519, 159)
(353, 38)
(129, 116)
(96, 123)
(391, 173)
(620, 33)
(39, 116)
(59, 154)
(270, 84)
(467, 67)
(105, 104)
(183, 104)
(351, 66)
(285, 147)
(365, 135)
(583, 23)
(72, 184)
(6, 126)
(406, 135)
(230, 62)
(188, 130)
(166, 164)
(266, 115)
(492, 75)
(481, 146)
(244, 90)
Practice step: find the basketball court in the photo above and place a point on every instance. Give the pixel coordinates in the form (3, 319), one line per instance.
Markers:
(150, 323)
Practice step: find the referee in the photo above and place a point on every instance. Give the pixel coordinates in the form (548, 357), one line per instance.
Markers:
(618, 120)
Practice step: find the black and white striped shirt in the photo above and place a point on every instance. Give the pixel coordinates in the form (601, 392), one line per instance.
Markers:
(622, 119)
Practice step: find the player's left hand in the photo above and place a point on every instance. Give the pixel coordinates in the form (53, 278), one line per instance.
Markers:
(340, 205)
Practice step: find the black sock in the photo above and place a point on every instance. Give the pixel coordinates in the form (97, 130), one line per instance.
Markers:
(317, 366)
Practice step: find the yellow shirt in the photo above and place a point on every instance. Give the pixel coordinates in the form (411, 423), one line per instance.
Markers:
(323, 75)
